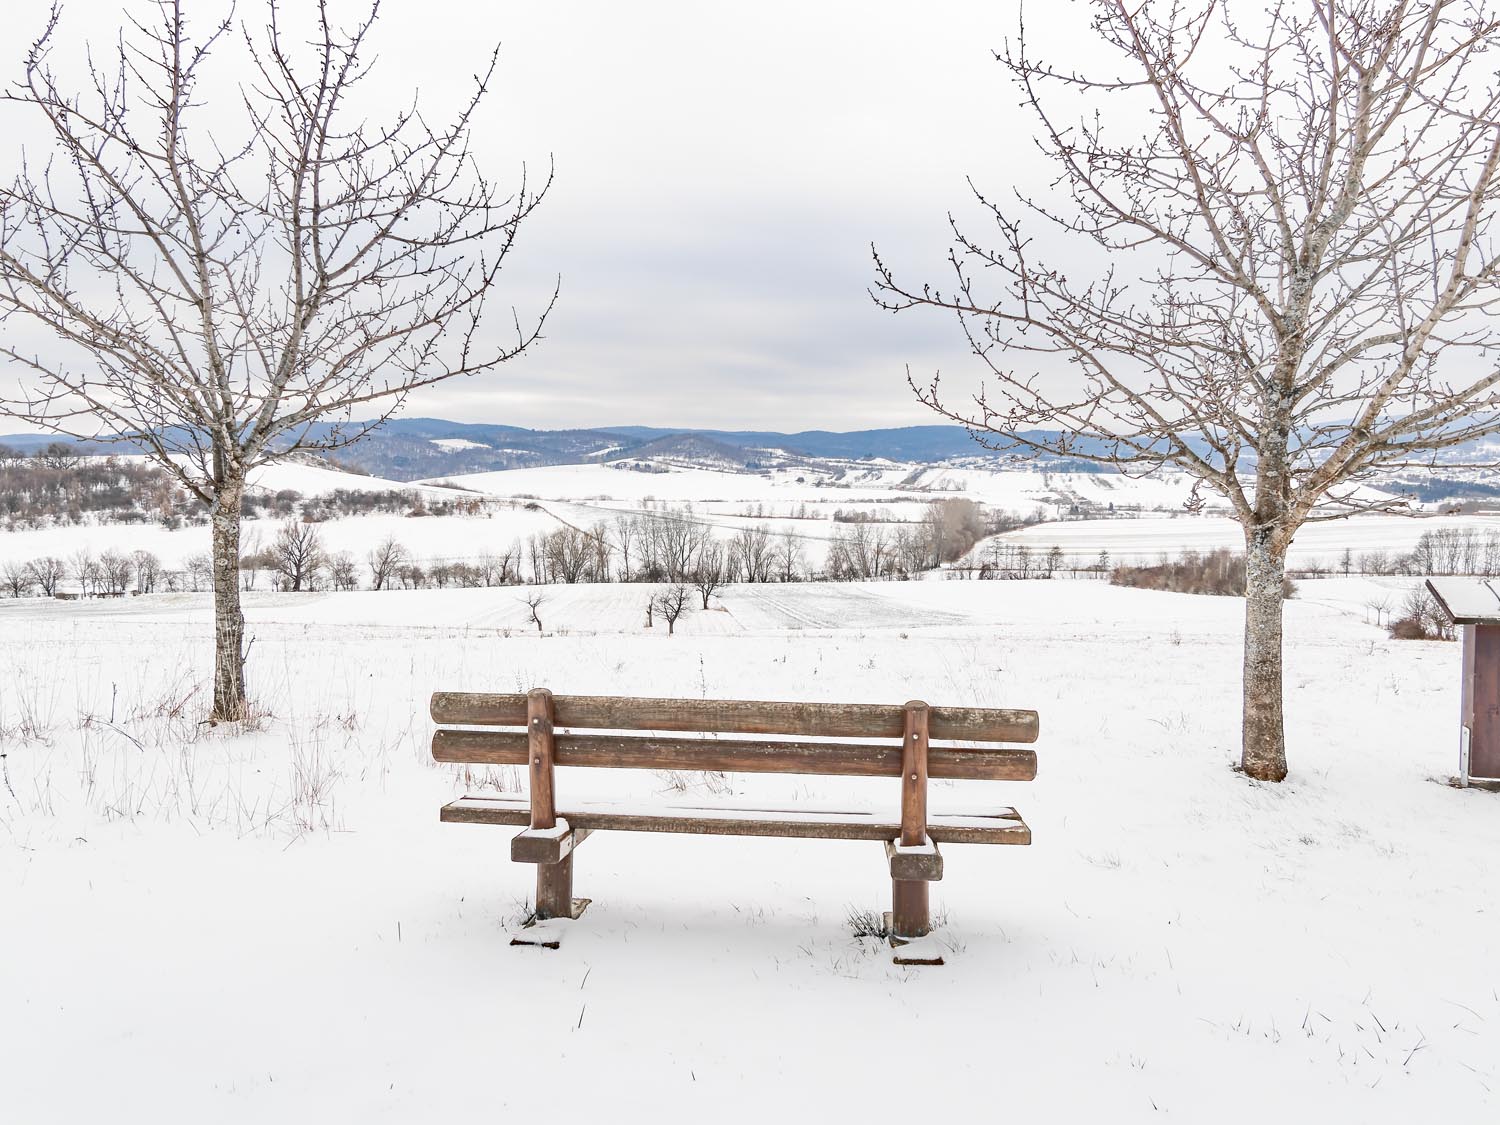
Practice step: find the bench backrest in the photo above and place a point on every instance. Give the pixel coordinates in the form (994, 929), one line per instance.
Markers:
(808, 735)
(538, 745)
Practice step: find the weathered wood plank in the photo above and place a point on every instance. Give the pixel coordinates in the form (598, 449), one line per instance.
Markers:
(1002, 826)
(549, 846)
(914, 776)
(737, 716)
(832, 759)
(540, 754)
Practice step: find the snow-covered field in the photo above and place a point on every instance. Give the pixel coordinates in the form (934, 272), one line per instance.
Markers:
(1147, 539)
(200, 925)
(432, 538)
(882, 482)
(799, 502)
(726, 501)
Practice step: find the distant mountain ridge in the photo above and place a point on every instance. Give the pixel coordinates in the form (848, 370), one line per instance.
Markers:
(904, 443)
(408, 449)
(421, 448)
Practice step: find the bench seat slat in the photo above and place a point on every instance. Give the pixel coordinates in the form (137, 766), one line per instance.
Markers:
(1003, 826)
(830, 759)
(737, 716)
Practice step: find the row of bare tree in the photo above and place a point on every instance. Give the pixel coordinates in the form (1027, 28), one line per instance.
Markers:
(949, 529)
(1441, 551)
(668, 547)
(107, 574)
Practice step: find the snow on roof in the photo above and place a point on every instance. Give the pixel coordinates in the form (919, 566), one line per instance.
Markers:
(1467, 601)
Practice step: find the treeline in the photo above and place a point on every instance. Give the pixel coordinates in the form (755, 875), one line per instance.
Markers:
(106, 574)
(1220, 572)
(668, 546)
(948, 530)
(1443, 551)
(55, 485)
(1003, 559)
(342, 503)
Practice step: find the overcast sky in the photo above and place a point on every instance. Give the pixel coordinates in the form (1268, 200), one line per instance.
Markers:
(721, 172)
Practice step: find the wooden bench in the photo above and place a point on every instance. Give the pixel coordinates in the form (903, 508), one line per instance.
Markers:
(543, 732)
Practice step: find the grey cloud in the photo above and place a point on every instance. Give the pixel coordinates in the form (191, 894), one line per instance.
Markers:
(721, 172)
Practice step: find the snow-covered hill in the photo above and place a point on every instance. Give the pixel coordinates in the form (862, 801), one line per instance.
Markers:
(831, 484)
(809, 501)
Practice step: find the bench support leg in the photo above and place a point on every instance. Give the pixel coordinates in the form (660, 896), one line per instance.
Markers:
(909, 912)
(554, 890)
(554, 881)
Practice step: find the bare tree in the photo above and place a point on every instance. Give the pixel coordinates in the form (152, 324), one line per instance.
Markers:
(85, 570)
(386, 561)
(685, 538)
(297, 555)
(507, 570)
(19, 579)
(670, 542)
(57, 454)
(224, 296)
(672, 602)
(252, 557)
(603, 551)
(712, 570)
(627, 532)
(952, 527)
(534, 600)
(343, 571)
(569, 555)
(48, 571)
(754, 557)
(115, 571)
(790, 558)
(200, 572)
(1296, 282)
(147, 570)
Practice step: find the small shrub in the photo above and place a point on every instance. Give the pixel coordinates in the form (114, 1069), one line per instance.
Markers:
(1409, 629)
(1420, 618)
(868, 924)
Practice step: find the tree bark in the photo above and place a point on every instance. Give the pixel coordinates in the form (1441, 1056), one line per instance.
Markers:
(229, 620)
(1263, 752)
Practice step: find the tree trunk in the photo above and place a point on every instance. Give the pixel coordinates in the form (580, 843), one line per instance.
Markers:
(229, 621)
(1263, 750)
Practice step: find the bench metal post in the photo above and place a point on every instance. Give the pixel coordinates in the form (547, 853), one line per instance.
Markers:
(909, 909)
(554, 881)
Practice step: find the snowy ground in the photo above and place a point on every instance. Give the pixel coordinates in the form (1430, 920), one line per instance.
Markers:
(273, 926)
(871, 487)
(797, 502)
(1149, 538)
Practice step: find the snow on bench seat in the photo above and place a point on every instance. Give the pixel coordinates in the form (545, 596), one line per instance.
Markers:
(1002, 826)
